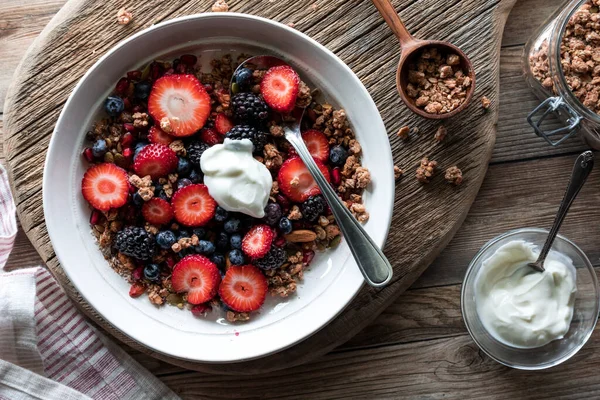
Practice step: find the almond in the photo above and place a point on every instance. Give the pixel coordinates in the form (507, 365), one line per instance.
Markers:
(301, 236)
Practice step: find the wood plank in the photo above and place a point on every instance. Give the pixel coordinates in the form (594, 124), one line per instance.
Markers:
(525, 18)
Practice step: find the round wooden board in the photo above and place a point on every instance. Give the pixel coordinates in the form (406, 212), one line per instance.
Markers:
(425, 216)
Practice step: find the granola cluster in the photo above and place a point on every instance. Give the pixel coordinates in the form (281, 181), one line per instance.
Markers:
(437, 82)
(579, 54)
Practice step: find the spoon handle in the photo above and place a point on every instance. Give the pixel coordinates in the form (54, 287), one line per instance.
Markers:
(370, 259)
(389, 14)
(582, 168)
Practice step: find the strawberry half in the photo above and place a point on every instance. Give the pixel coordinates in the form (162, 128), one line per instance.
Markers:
(317, 144)
(157, 211)
(198, 276)
(280, 87)
(244, 288)
(193, 206)
(223, 124)
(296, 182)
(210, 136)
(183, 100)
(156, 160)
(105, 186)
(157, 135)
(257, 241)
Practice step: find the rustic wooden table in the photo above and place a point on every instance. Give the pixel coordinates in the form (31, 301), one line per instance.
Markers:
(419, 346)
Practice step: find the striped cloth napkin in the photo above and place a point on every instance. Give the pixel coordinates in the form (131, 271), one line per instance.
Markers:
(47, 349)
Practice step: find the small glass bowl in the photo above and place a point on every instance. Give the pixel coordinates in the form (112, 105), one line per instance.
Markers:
(585, 312)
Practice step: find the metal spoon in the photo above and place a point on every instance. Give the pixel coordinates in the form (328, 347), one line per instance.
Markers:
(582, 168)
(370, 259)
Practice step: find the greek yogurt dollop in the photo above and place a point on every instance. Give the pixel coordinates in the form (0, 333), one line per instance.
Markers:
(235, 179)
(522, 307)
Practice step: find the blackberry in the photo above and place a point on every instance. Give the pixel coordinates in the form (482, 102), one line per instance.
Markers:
(135, 242)
(274, 259)
(248, 107)
(194, 152)
(313, 207)
(239, 132)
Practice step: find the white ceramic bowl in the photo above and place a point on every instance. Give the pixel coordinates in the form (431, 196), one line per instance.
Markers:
(333, 279)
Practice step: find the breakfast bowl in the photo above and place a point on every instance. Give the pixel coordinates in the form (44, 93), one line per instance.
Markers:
(585, 309)
(333, 278)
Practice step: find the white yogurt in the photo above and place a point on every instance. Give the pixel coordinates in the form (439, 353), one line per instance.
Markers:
(522, 307)
(235, 179)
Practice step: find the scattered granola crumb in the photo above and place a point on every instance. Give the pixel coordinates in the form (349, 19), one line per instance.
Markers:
(295, 258)
(273, 158)
(140, 120)
(165, 125)
(220, 6)
(441, 132)
(234, 316)
(276, 130)
(153, 229)
(397, 172)
(426, 170)
(362, 177)
(123, 16)
(485, 103)
(291, 24)
(178, 147)
(403, 133)
(295, 213)
(323, 220)
(304, 97)
(146, 192)
(354, 147)
(332, 230)
(295, 181)
(139, 183)
(454, 175)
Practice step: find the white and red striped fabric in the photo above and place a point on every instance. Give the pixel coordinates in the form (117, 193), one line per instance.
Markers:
(47, 349)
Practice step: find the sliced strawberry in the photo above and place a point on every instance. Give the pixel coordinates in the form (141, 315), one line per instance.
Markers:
(182, 100)
(105, 186)
(210, 136)
(317, 144)
(157, 135)
(296, 182)
(244, 288)
(223, 124)
(157, 211)
(193, 206)
(257, 241)
(156, 160)
(198, 276)
(280, 87)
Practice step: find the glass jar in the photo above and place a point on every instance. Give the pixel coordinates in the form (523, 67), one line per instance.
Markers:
(544, 70)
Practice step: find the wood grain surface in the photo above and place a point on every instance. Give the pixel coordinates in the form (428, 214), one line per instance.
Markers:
(522, 187)
(425, 217)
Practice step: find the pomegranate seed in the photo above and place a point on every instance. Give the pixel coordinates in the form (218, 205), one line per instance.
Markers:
(129, 127)
(336, 178)
(88, 154)
(311, 114)
(170, 71)
(127, 140)
(208, 87)
(137, 289)
(181, 69)
(138, 273)
(200, 309)
(132, 189)
(283, 201)
(170, 262)
(189, 59)
(127, 153)
(134, 75)
(156, 70)
(280, 241)
(95, 217)
(122, 86)
(308, 256)
(127, 103)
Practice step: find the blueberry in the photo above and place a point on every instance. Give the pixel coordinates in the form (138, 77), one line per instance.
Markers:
(338, 155)
(200, 232)
(195, 176)
(157, 189)
(222, 241)
(183, 182)
(141, 90)
(183, 234)
(205, 247)
(152, 272)
(218, 259)
(183, 167)
(137, 199)
(138, 147)
(114, 106)
(162, 195)
(232, 225)
(236, 257)
(272, 213)
(221, 214)
(235, 241)
(285, 226)
(243, 77)
(166, 239)
(99, 148)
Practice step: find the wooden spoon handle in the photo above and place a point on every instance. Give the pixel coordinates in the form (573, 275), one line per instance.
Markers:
(391, 17)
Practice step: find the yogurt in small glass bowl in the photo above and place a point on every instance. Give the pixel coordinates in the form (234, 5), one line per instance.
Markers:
(585, 309)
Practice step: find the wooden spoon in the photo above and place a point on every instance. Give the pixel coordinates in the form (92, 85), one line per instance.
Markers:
(410, 48)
